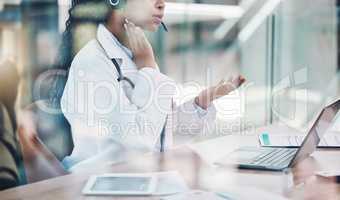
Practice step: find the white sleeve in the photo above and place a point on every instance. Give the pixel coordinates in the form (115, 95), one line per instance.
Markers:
(190, 119)
(97, 100)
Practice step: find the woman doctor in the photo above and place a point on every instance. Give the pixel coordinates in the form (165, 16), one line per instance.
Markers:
(117, 101)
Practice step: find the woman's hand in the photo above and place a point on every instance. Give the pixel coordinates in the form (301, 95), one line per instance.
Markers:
(221, 89)
(141, 48)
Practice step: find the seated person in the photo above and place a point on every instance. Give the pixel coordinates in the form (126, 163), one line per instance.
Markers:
(9, 80)
(9, 151)
(116, 99)
(9, 176)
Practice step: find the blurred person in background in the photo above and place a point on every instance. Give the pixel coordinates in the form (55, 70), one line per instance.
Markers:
(116, 99)
(9, 147)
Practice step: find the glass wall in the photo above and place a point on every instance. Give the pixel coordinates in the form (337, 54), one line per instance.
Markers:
(286, 49)
(292, 60)
(289, 59)
(305, 62)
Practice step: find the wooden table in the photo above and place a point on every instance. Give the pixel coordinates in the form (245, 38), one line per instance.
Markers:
(194, 165)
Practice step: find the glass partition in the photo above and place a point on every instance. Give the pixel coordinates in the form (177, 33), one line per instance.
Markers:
(287, 50)
(291, 60)
(305, 61)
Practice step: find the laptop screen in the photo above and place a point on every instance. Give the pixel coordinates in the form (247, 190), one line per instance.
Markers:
(319, 128)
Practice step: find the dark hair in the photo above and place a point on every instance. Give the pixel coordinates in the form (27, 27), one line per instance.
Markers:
(66, 50)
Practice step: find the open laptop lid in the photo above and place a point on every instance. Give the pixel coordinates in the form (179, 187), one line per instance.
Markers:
(323, 122)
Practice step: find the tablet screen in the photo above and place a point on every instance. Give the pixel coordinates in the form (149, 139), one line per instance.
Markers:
(140, 184)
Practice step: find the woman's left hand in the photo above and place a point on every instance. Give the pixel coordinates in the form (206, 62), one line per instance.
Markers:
(223, 88)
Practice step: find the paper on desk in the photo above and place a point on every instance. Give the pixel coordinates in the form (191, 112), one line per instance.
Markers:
(242, 193)
(250, 193)
(196, 195)
(170, 183)
(275, 140)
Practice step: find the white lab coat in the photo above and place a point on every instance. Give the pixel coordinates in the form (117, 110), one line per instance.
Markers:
(111, 121)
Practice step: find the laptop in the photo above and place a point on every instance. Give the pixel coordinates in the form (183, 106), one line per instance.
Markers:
(278, 159)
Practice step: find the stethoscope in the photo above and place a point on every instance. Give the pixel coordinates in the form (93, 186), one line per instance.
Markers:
(121, 77)
(114, 61)
(120, 74)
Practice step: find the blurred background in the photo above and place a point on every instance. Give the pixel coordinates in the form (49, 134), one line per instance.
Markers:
(287, 50)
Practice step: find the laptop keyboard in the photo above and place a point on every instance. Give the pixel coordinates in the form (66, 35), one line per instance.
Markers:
(276, 158)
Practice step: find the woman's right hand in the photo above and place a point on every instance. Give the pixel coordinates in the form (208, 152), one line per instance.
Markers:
(141, 48)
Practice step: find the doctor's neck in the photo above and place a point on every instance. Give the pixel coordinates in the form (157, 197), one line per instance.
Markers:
(115, 24)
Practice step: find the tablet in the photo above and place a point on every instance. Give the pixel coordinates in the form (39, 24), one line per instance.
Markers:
(121, 184)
